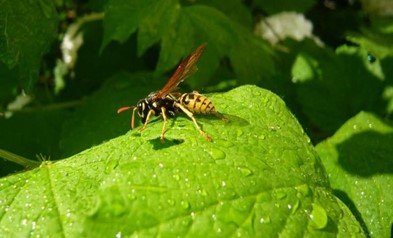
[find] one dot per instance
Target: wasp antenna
(122, 109)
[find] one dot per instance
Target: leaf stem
(50, 107)
(19, 159)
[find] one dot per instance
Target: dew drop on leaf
(176, 177)
(217, 154)
(280, 195)
(245, 171)
(186, 222)
(264, 220)
(318, 216)
(171, 202)
(302, 190)
(185, 204)
(111, 165)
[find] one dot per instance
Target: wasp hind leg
(190, 115)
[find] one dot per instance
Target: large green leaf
(26, 30)
(359, 161)
(180, 29)
(260, 177)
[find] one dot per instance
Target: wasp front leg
(163, 113)
(191, 115)
(151, 113)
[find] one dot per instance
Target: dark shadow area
(158, 145)
(351, 205)
(367, 153)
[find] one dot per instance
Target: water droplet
(161, 165)
(214, 217)
(176, 177)
(24, 222)
(171, 202)
(302, 190)
(118, 235)
(185, 204)
(318, 216)
(202, 192)
(245, 171)
(33, 225)
(186, 222)
(280, 195)
(217, 154)
(223, 184)
(111, 165)
(264, 220)
(192, 214)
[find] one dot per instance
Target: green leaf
(331, 87)
(180, 29)
(27, 28)
(359, 161)
(235, 10)
(259, 177)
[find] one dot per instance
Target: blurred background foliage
(67, 65)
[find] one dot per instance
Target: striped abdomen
(197, 103)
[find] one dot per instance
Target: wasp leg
(151, 112)
(190, 115)
(163, 113)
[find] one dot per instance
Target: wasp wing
(186, 68)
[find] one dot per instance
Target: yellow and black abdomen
(197, 103)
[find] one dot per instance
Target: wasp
(164, 103)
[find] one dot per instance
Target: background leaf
(358, 159)
(333, 90)
(184, 28)
(259, 176)
(22, 44)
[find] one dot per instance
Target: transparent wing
(186, 68)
